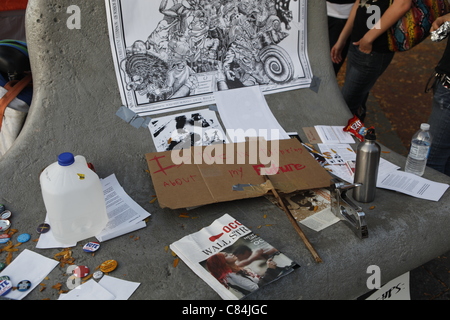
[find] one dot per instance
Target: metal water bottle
(366, 171)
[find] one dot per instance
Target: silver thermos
(366, 170)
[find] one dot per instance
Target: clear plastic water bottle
(420, 148)
(74, 199)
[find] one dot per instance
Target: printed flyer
(232, 259)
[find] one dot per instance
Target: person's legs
(363, 70)
(439, 120)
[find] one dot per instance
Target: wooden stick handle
(297, 227)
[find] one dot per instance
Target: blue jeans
(363, 71)
(439, 157)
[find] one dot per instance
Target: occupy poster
(173, 54)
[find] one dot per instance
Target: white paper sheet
(48, 241)
(90, 290)
(333, 134)
(28, 265)
(320, 220)
(412, 185)
(245, 113)
(121, 289)
(397, 289)
(108, 288)
(124, 214)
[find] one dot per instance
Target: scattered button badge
(24, 285)
(5, 287)
(91, 247)
(98, 275)
(24, 237)
(43, 228)
(5, 215)
(4, 238)
(4, 225)
(108, 266)
(81, 271)
(2, 266)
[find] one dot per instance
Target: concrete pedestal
(74, 105)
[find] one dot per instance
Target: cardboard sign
(229, 172)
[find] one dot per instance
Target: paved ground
(396, 108)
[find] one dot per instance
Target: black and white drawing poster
(172, 55)
(183, 130)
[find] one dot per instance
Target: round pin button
(108, 266)
(91, 247)
(24, 237)
(24, 285)
(4, 238)
(5, 215)
(5, 287)
(98, 275)
(4, 225)
(2, 266)
(43, 228)
(81, 271)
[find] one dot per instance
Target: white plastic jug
(73, 197)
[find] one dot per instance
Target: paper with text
(333, 134)
(412, 185)
(124, 214)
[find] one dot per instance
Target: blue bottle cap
(66, 159)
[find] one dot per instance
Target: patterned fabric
(415, 25)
